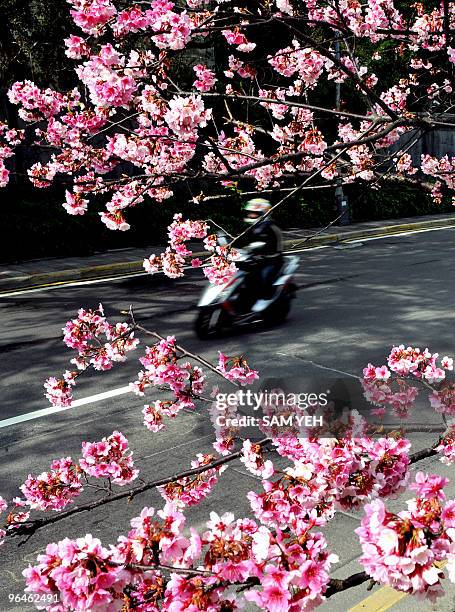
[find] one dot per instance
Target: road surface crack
(319, 365)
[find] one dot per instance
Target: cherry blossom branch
(189, 571)
(332, 57)
(425, 453)
(320, 231)
(29, 528)
(390, 156)
(291, 103)
(338, 585)
(219, 227)
(181, 349)
(113, 124)
(298, 188)
(345, 146)
(396, 154)
(225, 196)
(186, 353)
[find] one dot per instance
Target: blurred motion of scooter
(243, 300)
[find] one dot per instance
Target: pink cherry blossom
(205, 78)
(236, 37)
(55, 489)
(429, 486)
(400, 549)
(75, 204)
(189, 491)
(92, 15)
(446, 446)
(239, 370)
(76, 47)
(78, 571)
(58, 392)
(186, 115)
(252, 458)
(109, 458)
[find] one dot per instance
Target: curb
(373, 232)
(106, 271)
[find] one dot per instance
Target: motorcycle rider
(251, 296)
(268, 258)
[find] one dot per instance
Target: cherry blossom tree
(279, 559)
(253, 120)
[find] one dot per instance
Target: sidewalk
(40, 272)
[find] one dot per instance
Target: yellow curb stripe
(68, 282)
(384, 598)
(381, 600)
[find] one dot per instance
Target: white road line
(392, 235)
(37, 414)
(316, 248)
(135, 274)
(407, 233)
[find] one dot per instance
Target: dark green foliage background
(34, 224)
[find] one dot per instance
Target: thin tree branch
(32, 527)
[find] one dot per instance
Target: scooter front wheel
(202, 324)
(210, 323)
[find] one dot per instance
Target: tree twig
(31, 527)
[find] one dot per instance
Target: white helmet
(255, 209)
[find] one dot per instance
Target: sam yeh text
(288, 420)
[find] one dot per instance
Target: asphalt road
(353, 304)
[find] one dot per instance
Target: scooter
(223, 308)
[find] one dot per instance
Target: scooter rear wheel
(277, 313)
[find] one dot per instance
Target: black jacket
(266, 232)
